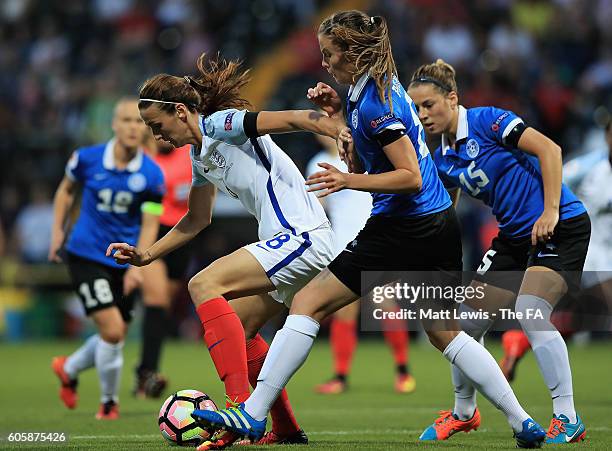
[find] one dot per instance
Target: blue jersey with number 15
(111, 200)
(504, 178)
(368, 116)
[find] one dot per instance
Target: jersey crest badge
(137, 182)
(354, 117)
(217, 159)
(472, 148)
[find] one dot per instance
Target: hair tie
(431, 80)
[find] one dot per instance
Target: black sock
(341, 377)
(403, 369)
(153, 334)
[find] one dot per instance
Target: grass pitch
(370, 416)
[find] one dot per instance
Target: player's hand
(124, 253)
(326, 98)
(132, 279)
(544, 227)
(57, 239)
(328, 181)
(348, 154)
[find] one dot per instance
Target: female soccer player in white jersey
(492, 156)
(412, 228)
(231, 151)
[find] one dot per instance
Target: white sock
(109, 361)
(550, 352)
(287, 353)
(465, 392)
(481, 369)
(83, 358)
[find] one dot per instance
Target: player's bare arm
(62, 202)
(197, 218)
(406, 178)
(549, 156)
(300, 120)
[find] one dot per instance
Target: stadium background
(64, 63)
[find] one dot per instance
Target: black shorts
(425, 243)
(506, 260)
(99, 286)
(178, 260)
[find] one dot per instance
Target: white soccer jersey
(348, 209)
(595, 191)
(256, 172)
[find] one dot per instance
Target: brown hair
(440, 74)
(365, 42)
(217, 87)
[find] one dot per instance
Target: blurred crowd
(63, 64)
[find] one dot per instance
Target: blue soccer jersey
(367, 117)
(506, 179)
(111, 200)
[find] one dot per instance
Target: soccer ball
(175, 422)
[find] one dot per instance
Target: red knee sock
(397, 339)
(515, 343)
(224, 336)
(283, 421)
(343, 338)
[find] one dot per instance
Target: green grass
(369, 416)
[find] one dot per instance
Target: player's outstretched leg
(481, 369)
(109, 360)
(67, 369)
(109, 363)
(551, 354)
(285, 428)
(515, 345)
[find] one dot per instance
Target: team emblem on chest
(217, 159)
(137, 182)
(354, 117)
(472, 148)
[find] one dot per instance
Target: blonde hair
(217, 87)
(440, 74)
(365, 42)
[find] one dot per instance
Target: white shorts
(291, 261)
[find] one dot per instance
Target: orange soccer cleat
(67, 393)
(447, 424)
(405, 383)
(333, 386)
(108, 411)
(272, 438)
(516, 345)
(221, 440)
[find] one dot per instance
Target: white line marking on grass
(314, 433)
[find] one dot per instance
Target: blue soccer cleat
(532, 435)
(562, 431)
(234, 419)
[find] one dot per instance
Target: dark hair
(217, 87)
(365, 42)
(440, 74)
